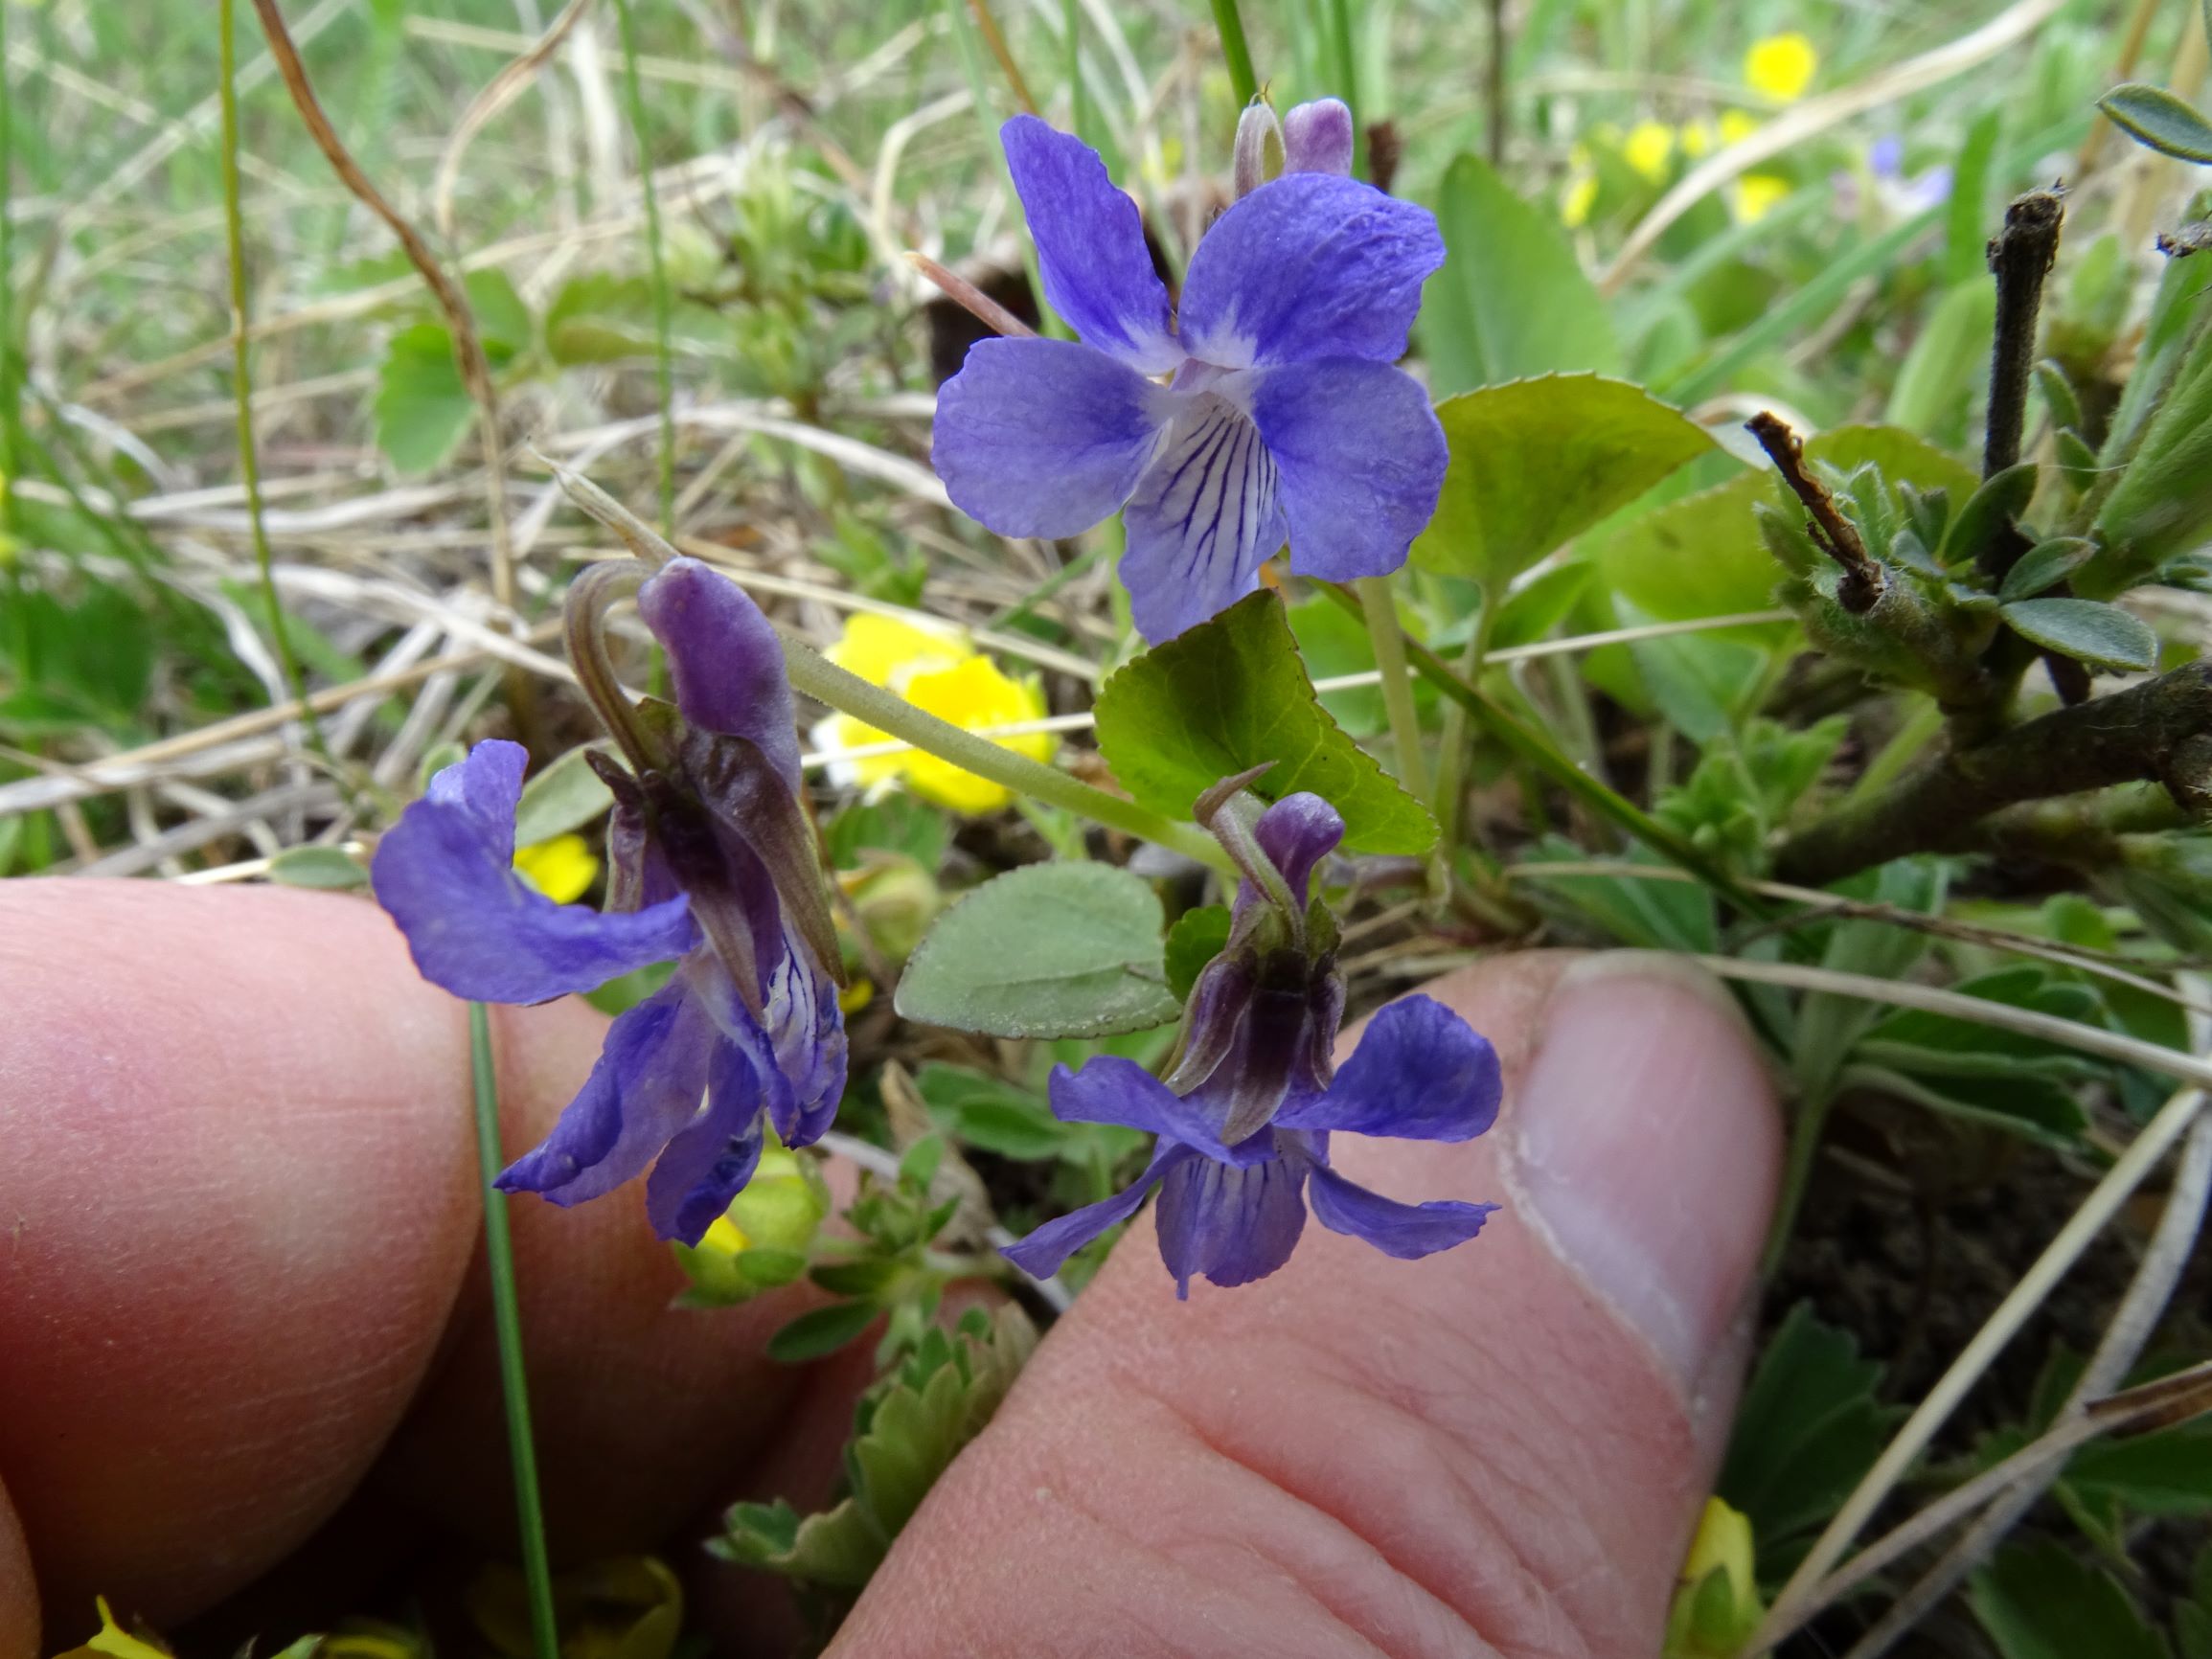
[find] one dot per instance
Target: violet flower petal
(1044, 437)
(1310, 265)
(710, 1160)
(1233, 1225)
(1112, 1090)
(643, 1090)
(1318, 138)
(445, 872)
(1296, 833)
(1202, 520)
(1090, 248)
(725, 663)
(1421, 1073)
(1041, 1254)
(1361, 458)
(807, 1030)
(1406, 1231)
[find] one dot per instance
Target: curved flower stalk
(1265, 406)
(1245, 1115)
(713, 866)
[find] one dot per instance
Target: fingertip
(235, 1223)
(19, 1589)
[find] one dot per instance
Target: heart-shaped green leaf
(1231, 694)
(1534, 461)
(1048, 950)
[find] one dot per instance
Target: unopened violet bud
(1260, 155)
(1318, 138)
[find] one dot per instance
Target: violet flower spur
(1282, 414)
(1245, 1115)
(712, 864)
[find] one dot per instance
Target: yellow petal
(561, 869)
(1736, 127)
(1648, 147)
(1723, 1540)
(1581, 195)
(879, 649)
(973, 694)
(113, 1642)
(1758, 194)
(1781, 66)
(1699, 136)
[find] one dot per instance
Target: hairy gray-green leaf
(1048, 950)
(1536, 461)
(1511, 299)
(1228, 696)
(324, 866)
(1997, 501)
(2152, 116)
(2045, 566)
(567, 795)
(2102, 635)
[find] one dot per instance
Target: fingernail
(1647, 1149)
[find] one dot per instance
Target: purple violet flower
(711, 863)
(1245, 1114)
(1281, 414)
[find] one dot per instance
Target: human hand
(239, 1225)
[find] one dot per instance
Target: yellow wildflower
(1648, 147)
(561, 868)
(1781, 66)
(942, 676)
(1699, 136)
(1581, 192)
(1758, 194)
(1736, 127)
(1717, 1603)
(113, 1642)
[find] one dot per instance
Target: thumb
(1506, 1443)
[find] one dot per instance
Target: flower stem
(507, 1322)
(241, 385)
(821, 680)
(663, 361)
(1230, 23)
(1533, 748)
(1347, 79)
(1389, 642)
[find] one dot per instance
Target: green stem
(1045, 589)
(1231, 24)
(10, 411)
(241, 386)
(662, 308)
(507, 1322)
(1079, 111)
(1805, 1131)
(1348, 77)
(1452, 745)
(1381, 610)
(1532, 747)
(815, 676)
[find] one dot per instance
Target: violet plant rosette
(1244, 1117)
(1265, 406)
(712, 864)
